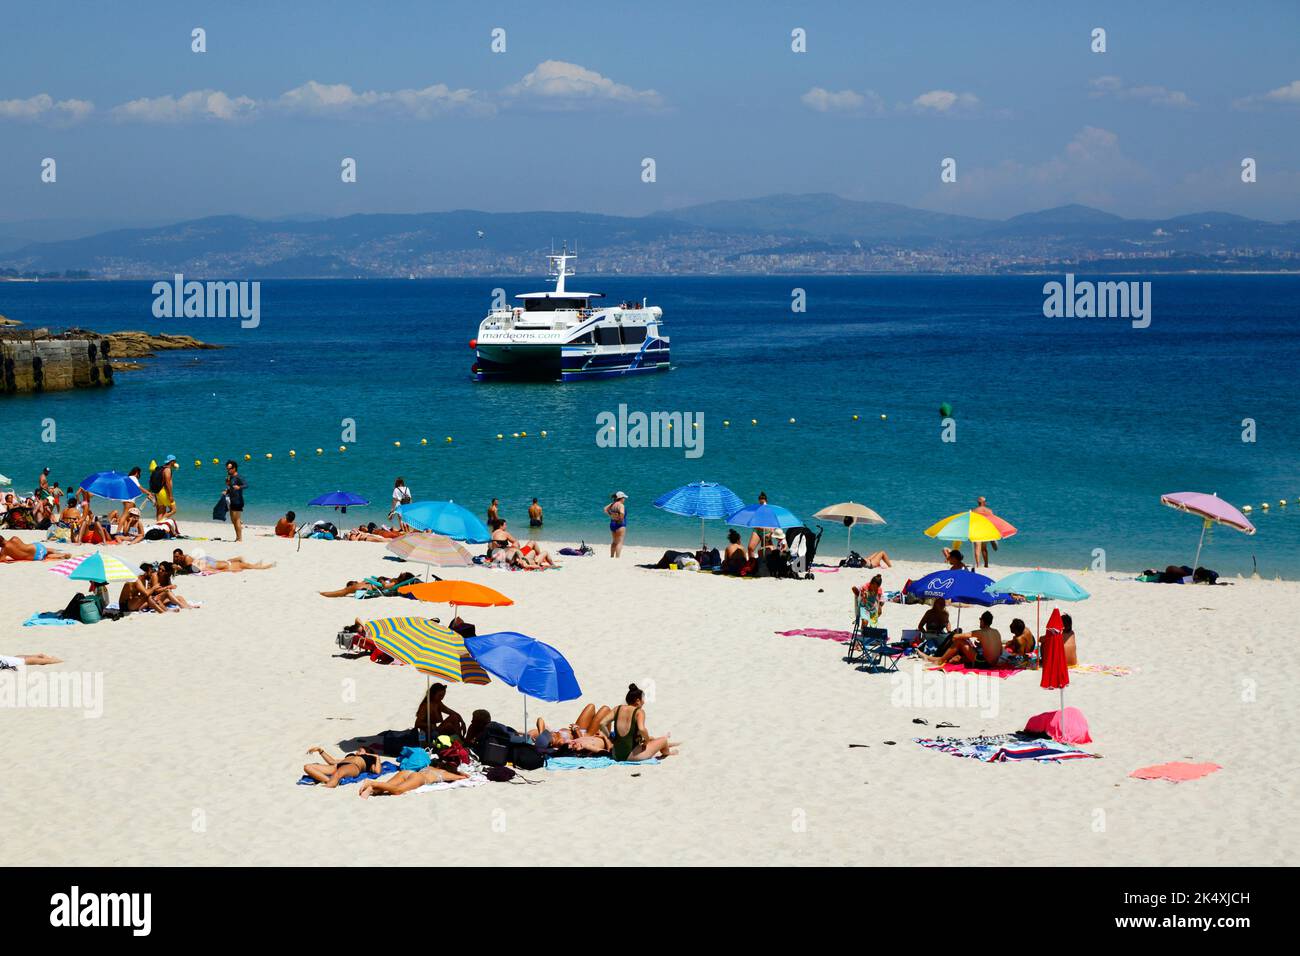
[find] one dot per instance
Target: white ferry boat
(560, 335)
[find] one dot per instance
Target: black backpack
(156, 479)
(493, 745)
(525, 756)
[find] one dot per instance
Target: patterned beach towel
(1000, 748)
(1113, 670)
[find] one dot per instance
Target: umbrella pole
(702, 534)
(1197, 560)
(428, 714)
(850, 545)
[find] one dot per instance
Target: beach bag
(525, 756)
(499, 774)
(709, 559)
(156, 480)
(493, 746)
(220, 509)
(405, 498)
(413, 758)
(854, 560)
(88, 609)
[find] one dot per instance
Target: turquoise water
(1072, 428)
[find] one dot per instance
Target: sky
(144, 130)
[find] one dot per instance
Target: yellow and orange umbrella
(971, 526)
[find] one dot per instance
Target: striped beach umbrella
(96, 566)
(430, 648)
(427, 548)
(971, 526)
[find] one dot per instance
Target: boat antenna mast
(559, 264)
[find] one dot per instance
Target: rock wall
(29, 364)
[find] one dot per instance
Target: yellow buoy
(792, 421)
(725, 422)
(855, 418)
(543, 433)
(248, 458)
(320, 451)
(883, 417)
(500, 436)
(424, 441)
(216, 461)
(753, 421)
(397, 444)
(695, 424)
(343, 447)
(197, 463)
(516, 434)
(1282, 502)
(1264, 506)
(268, 454)
(292, 453)
(1247, 509)
(448, 438)
(523, 434)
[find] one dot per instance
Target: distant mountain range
(783, 233)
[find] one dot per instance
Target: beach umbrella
(456, 593)
(700, 499)
(112, 484)
(1039, 584)
(446, 518)
(97, 566)
(433, 650)
(1211, 509)
(1056, 673)
(764, 516)
(536, 669)
(971, 526)
(424, 547)
(957, 587)
(851, 513)
(338, 499)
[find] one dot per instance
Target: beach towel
(473, 780)
(1176, 771)
(1000, 748)
(1112, 670)
(384, 768)
(48, 619)
(594, 763)
(818, 632)
(1000, 671)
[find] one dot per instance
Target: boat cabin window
(553, 305)
(607, 335)
(633, 334)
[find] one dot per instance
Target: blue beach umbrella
(957, 587)
(112, 484)
(338, 499)
(764, 516)
(535, 668)
(445, 518)
(700, 499)
(1040, 585)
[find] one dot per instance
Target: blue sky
(1157, 125)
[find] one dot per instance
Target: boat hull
(566, 363)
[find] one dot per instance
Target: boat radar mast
(559, 266)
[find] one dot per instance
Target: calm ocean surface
(1072, 428)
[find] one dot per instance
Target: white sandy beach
(207, 715)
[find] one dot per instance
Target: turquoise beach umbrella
(1039, 584)
(445, 518)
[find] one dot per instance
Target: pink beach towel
(819, 632)
(1002, 672)
(1177, 772)
(1074, 729)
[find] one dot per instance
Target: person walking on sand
(401, 495)
(534, 515)
(235, 486)
(617, 511)
(160, 483)
(982, 547)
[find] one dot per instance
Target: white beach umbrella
(851, 513)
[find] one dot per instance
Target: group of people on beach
(619, 732)
(983, 646)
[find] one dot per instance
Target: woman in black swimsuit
(332, 771)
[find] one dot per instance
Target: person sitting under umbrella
(1022, 641)
(735, 558)
(1068, 640)
(956, 560)
(435, 718)
(980, 647)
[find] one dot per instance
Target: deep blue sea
(1072, 428)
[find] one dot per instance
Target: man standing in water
(235, 486)
(534, 515)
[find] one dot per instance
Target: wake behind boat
(560, 336)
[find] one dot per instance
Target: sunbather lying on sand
(332, 771)
(16, 549)
(584, 735)
(206, 565)
(12, 663)
(404, 781)
(384, 584)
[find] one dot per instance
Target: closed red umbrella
(1056, 673)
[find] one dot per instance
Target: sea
(1072, 428)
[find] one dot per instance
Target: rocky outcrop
(38, 360)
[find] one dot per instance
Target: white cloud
(844, 101)
(945, 102)
(198, 104)
(332, 99)
(1113, 86)
(43, 107)
(1288, 95)
(555, 84)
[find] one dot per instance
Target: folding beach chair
(869, 645)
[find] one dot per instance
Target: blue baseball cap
(169, 459)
